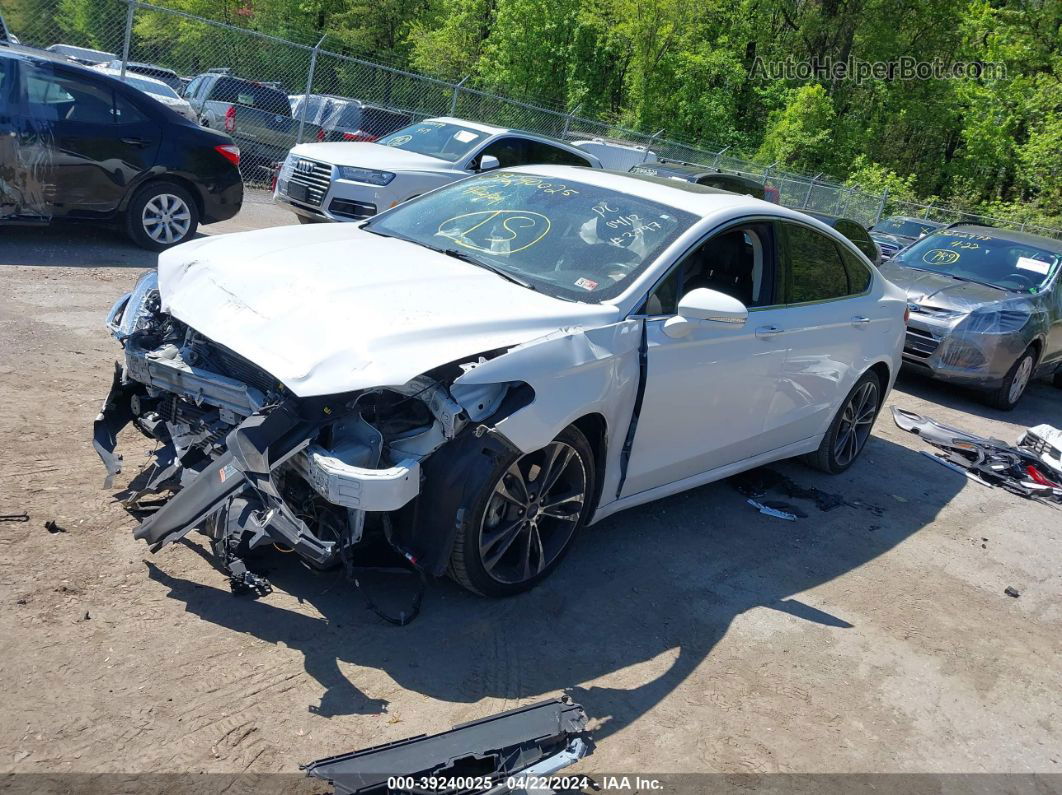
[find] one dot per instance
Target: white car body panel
(333, 309)
(357, 311)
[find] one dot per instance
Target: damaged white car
(478, 372)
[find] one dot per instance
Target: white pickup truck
(351, 181)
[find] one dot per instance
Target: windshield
(564, 238)
(905, 227)
(982, 258)
(158, 89)
(437, 139)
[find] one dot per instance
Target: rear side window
(858, 273)
(54, 97)
(243, 92)
(126, 112)
(813, 263)
(538, 152)
(859, 236)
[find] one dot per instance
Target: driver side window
(509, 151)
(738, 262)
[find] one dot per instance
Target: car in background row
(257, 115)
(616, 155)
(76, 144)
(712, 177)
(985, 308)
(854, 232)
(897, 232)
(351, 181)
(82, 55)
(156, 89)
(167, 76)
(345, 119)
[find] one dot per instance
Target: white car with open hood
(350, 181)
(477, 373)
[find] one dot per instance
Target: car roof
(472, 125)
(1010, 235)
(22, 52)
(700, 200)
(926, 221)
(675, 168)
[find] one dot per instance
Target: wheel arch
(165, 176)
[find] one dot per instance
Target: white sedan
(351, 181)
(477, 373)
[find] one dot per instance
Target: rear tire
(1016, 381)
(161, 215)
(523, 516)
(850, 429)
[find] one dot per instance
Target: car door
(708, 396)
(829, 314)
(92, 140)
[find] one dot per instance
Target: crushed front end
(250, 463)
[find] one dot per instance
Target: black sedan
(78, 145)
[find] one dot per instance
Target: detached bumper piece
(495, 754)
(1027, 470)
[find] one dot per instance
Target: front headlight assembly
(996, 321)
(366, 175)
(132, 312)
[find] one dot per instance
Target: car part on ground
(1021, 470)
(354, 181)
(985, 308)
(498, 754)
(92, 148)
(473, 402)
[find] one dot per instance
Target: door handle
(135, 141)
(766, 332)
(859, 320)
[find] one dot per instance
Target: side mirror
(705, 305)
(488, 163)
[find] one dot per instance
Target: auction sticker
(586, 284)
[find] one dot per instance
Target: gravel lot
(699, 634)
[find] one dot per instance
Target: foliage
(689, 67)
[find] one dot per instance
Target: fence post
(811, 187)
(128, 37)
(568, 119)
(457, 90)
(309, 88)
(881, 207)
(649, 145)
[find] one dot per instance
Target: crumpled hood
(366, 155)
(331, 308)
(941, 291)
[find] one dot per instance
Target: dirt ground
(698, 634)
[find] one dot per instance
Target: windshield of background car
(435, 138)
(982, 258)
(904, 228)
(567, 239)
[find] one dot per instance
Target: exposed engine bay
(251, 464)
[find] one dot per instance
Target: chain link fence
(270, 94)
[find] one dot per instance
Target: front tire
(850, 429)
(1009, 393)
(160, 215)
(523, 516)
